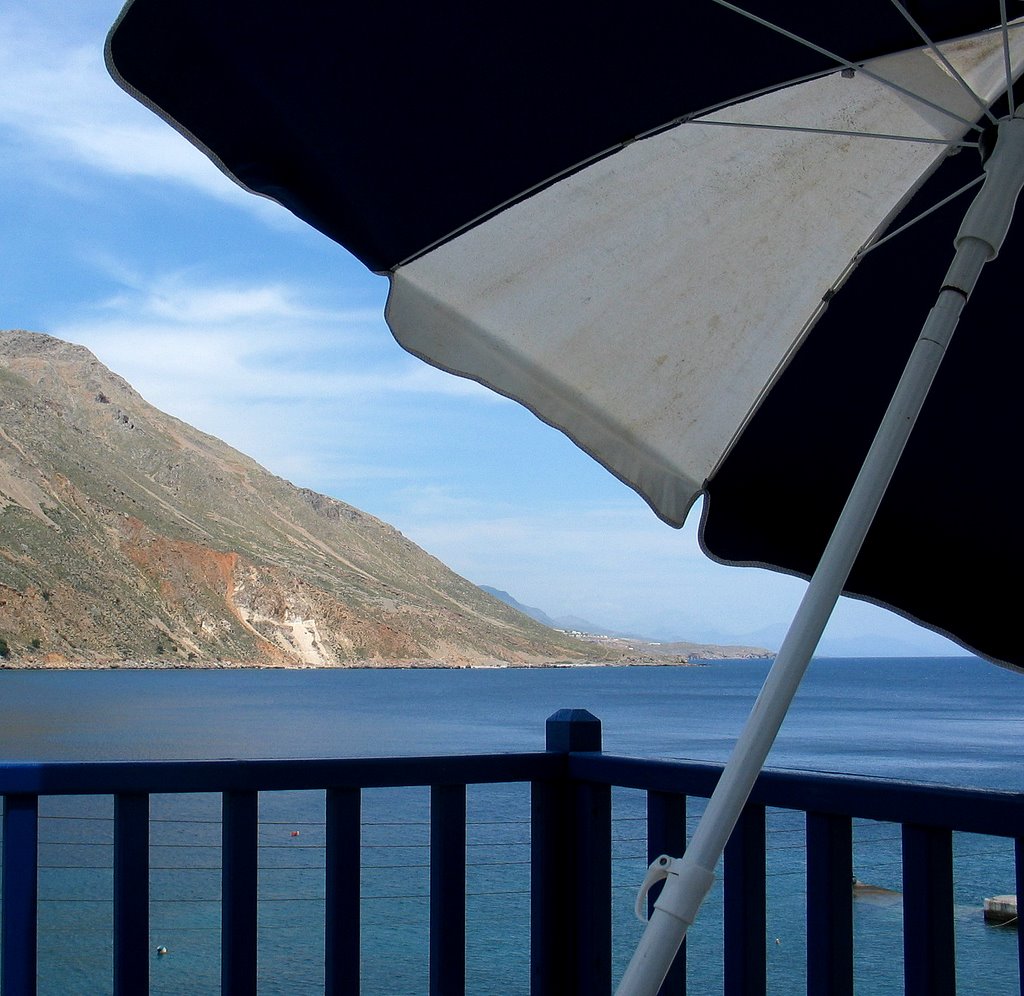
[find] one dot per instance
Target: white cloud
(214, 306)
(316, 391)
(60, 102)
(253, 340)
(253, 365)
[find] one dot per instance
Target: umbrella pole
(688, 880)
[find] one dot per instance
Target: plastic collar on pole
(988, 218)
(683, 882)
(684, 891)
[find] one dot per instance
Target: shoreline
(354, 666)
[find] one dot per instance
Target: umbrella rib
(939, 54)
(731, 102)
(861, 253)
(1006, 56)
(845, 63)
(610, 151)
(838, 131)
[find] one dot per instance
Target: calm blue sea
(951, 720)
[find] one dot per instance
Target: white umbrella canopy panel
(644, 315)
(632, 223)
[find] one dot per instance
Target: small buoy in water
(161, 950)
(295, 833)
(778, 940)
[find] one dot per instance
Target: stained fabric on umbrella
(630, 221)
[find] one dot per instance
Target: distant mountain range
(631, 643)
(561, 622)
(528, 610)
(128, 536)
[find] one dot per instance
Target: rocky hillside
(129, 536)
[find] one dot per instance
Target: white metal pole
(689, 879)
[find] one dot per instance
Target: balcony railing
(571, 850)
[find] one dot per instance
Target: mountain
(128, 536)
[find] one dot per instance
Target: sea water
(952, 720)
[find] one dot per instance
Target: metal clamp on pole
(659, 869)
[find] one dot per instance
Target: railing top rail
(173, 776)
(971, 810)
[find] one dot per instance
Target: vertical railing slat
(1018, 857)
(550, 907)
(239, 862)
(829, 904)
(131, 894)
(20, 894)
(666, 834)
(592, 875)
(929, 953)
(447, 890)
(745, 916)
(341, 914)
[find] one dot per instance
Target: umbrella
(700, 239)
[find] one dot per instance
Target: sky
(224, 310)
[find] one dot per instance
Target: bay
(949, 720)
(956, 720)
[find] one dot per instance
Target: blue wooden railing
(570, 857)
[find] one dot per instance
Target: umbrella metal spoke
(731, 102)
(861, 253)
(1006, 56)
(846, 64)
(839, 132)
(940, 55)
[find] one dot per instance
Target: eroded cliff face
(127, 535)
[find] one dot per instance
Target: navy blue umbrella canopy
(584, 208)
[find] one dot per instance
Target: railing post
(131, 894)
(929, 949)
(239, 864)
(829, 905)
(571, 871)
(20, 894)
(342, 916)
(666, 834)
(447, 890)
(745, 916)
